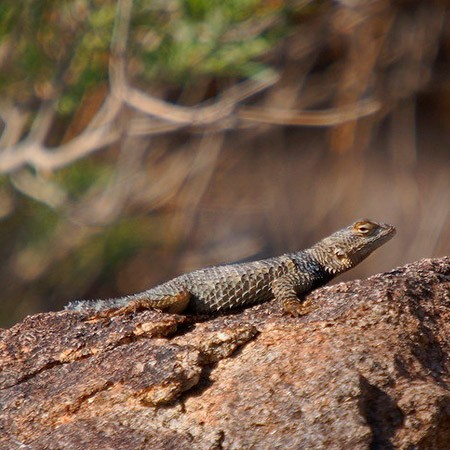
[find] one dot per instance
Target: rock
(369, 368)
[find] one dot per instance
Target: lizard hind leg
(178, 303)
(173, 303)
(170, 303)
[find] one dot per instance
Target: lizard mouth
(390, 231)
(385, 235)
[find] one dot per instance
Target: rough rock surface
(368, 369)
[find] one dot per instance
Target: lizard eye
(364, 228)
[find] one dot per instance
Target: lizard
(287, 278)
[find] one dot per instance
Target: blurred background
(143, 139)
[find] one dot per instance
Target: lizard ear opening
(339, 253)
(342, 258)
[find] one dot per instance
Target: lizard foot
(298, 309)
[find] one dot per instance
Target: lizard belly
(203, 301)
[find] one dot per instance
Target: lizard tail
(171, 296)
(97, 305)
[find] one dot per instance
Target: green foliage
(187, 38)
(61, 48)
(53, 46)
(77, 178)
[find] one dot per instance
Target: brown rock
(369, 368)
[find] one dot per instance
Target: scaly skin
(284, 278)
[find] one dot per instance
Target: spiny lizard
(284, 278)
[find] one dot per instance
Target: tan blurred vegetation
(144, 139)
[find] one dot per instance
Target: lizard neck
(332, 261)
(316, 271)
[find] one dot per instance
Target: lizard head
(348, 247)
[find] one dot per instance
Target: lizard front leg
(283, 289)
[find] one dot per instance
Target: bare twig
(40, 157)
(14, 123)
(325, 118)
(198, 115)
(39, 189)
